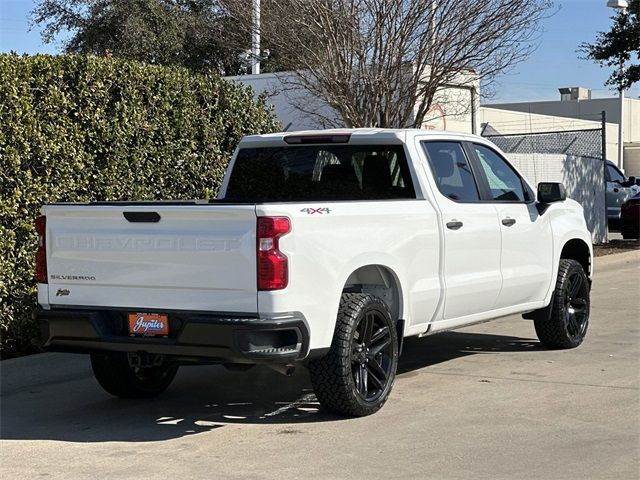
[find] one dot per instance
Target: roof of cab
(397, 135)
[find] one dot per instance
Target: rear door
(471, 232)
(526, 237)
(195, 257)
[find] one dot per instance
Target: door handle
(454, 224)
(508, 221)
(135, 217)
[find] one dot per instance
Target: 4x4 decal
(311, 211)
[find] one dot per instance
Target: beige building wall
(585, 110)
(632, 159)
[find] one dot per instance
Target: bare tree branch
(382, 62)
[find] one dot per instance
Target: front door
(526, 237)
(471, 233)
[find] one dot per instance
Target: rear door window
(320, 172)
(452, 171)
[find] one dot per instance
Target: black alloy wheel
(576, 305)
(372, 355)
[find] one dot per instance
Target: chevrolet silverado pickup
(323, 249)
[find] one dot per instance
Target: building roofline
(549, 102)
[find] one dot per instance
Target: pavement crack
(531, 380)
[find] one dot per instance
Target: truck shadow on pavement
(55, 397)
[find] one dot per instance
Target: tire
(119, 378)
(566, 325)
(356, 376)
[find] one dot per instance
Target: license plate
(149, 324)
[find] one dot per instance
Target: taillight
(273, 265)
(41, 252)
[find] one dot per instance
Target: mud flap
(541, 313)
(400, 333)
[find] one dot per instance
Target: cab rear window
(320, 172)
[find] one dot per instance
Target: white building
(455, 107)
(575, 106)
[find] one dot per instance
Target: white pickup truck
(324, 249)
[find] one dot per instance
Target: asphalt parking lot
(483, 402)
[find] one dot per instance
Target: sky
(553, 65)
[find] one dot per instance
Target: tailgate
(194, 257)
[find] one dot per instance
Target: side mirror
(638, 182)
(550, 192)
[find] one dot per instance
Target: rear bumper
(223, 338)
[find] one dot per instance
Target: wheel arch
(381, 281)
(575, 247)
(578, 250)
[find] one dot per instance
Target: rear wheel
(567, 324)
(356, 376)
(119, 375)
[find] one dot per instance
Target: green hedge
(76, 128)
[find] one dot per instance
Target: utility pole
(255, 39)
(603, 126)
(621, 124)
(620, 5)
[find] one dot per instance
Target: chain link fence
(579, 143)
(573, 157)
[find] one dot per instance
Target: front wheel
(356, 376)
(567, 324)
(119, 376)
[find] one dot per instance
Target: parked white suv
(324, 248)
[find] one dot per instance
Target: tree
(382, 62)
(621, 43)
(185, 32)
